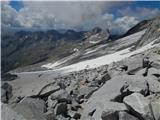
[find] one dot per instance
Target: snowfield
(103, 60)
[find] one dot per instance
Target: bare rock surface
(31, 108)
(139, 105)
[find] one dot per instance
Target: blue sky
(116, 16)
(16, 4)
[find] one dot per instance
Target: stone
(51, 103)
(86, 91)
(105, 78)
(155, 105)
(31, 108)
(154, 84)
(8, 77)
(125, 116)
(139, 105)
(6, 92)
(75, 106)
(109, 115)
(61, 108)
(100, 108)
(3, 96)
(61, 117)
(77, 116)
(62, 96)
(8, 113)
(49, 115)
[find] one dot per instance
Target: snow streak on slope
(118, 44)
(106, 59)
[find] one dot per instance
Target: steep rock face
(97, 35)
(140, 26)
(152, 33)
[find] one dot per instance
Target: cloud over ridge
(73, 15)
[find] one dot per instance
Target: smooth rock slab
(139, 105)
(155, 105)
(9, 114)
(31, 109)
(125, 116)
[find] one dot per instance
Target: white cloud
(123, 24)
(140, 13)
(61, 14)
(69, 15)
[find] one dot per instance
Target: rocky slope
(48, 45)
(113, 85)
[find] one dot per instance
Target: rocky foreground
(104, 93)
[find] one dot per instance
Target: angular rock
(62, 96)
(125, 116)
(61, 117)
(3, 96)
(9, 114)
(109, 115)
(49, 115)
(154, 85)
(6, 92)
(105, 78)
(155, 106)
(61, 108)
(111, 111)
(51, 103)
(77, 116)
(75, 106)
(86, 91)
(139, 105)
(31, 108)
(8, 77)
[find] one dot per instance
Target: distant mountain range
(24, 48)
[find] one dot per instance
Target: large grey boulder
(31, 109)
(117, 115)
(62, 96)
(139, 105)
(125, 116)
(155, 106)
(101, 109)
(111, 111)
(9, 114)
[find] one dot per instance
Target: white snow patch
(94, 42)
(106, 59)
(63, 60)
